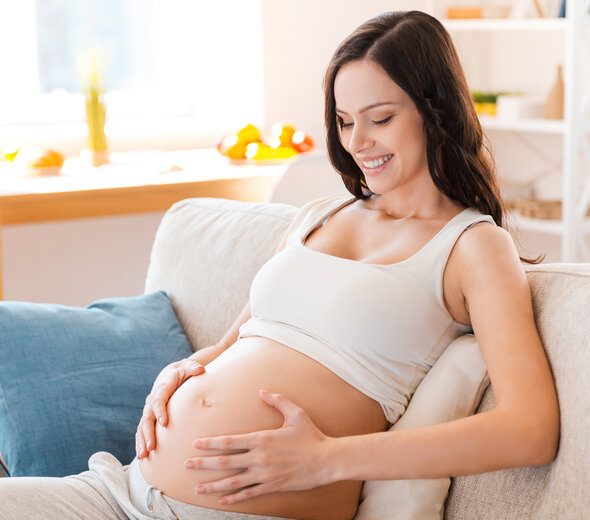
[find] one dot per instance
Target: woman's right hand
(167, 382)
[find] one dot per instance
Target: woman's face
(380, 127)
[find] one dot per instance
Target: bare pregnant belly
(225, 400)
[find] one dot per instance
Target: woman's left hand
(290, 458)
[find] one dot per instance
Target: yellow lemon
(282, 152)
(258, 151)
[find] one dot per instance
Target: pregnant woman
(286, 416)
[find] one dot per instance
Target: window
(165, 61)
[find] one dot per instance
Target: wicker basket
(541, 209)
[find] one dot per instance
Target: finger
(245, 494)
(160, 396)
(226, 442)
(159, 409)
(146, 435)
(146, 427)
(225, 461)
(191, 368)
(140, 449)
(226, 484)
(169, 384)
(291, 412)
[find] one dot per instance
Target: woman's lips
(366, 165)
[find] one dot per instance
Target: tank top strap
(431, 263)
(316, 215)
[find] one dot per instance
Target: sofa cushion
(450, 390)
(74, 380)
(561, 302)
(205, 255)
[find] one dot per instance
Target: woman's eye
(342, 124)
(383, 121)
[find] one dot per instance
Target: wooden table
(132, 183)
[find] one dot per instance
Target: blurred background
(177, 74)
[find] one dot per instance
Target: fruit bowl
(248, 146)
(35, 162)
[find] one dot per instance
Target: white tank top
(378, 327)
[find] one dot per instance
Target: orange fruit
(284, 131)
(226, 143)
(47, 159)
(302, 142)
(232, 147)
(237, 151)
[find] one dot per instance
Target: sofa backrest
(207, 252)
(205, 255)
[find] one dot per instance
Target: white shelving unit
(574, 129)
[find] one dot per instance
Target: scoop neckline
(303, 237)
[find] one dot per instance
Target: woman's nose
(360, 139)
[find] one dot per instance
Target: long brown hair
(418, 54)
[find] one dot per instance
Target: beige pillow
(451, 389)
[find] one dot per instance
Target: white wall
(76, 262)
(299, 39)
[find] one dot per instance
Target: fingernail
(196, 365)
(161, 420)
(197, 444)
(149, 444)
(189, 465)
(140, 453)
(200, 489)
(222, 501)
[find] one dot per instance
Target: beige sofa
(207, 251)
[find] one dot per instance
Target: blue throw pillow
(73, 380)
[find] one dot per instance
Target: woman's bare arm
(523, 428)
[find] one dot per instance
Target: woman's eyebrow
(368, 107)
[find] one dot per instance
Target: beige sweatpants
(107, 491)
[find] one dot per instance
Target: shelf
(552, 227)
(540, 126)
(506, 24)
(574, 165)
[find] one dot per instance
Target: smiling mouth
(377, 162)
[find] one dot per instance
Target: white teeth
(377, 162)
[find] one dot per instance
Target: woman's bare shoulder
(486, 244)
(488, 265)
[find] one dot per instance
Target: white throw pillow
(451, 389)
